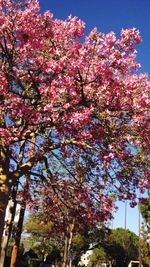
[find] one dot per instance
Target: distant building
(84, 258)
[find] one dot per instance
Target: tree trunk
(67, 246)
(7, 230)
(4, 196)
(16, 246)
(15, 250)
(65, 255)
(3, 250)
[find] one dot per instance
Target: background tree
(145, 210)
(144, 243)
(118, 247)
(39, 236)
(122, 246)
(97, 257)
(42, 241)
(79, 100)
(38, 239)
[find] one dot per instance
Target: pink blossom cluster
(71, 201)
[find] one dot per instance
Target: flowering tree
(78, 99)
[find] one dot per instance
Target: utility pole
(125, 216)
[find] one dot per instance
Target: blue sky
(111, 15)
(108, 15)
